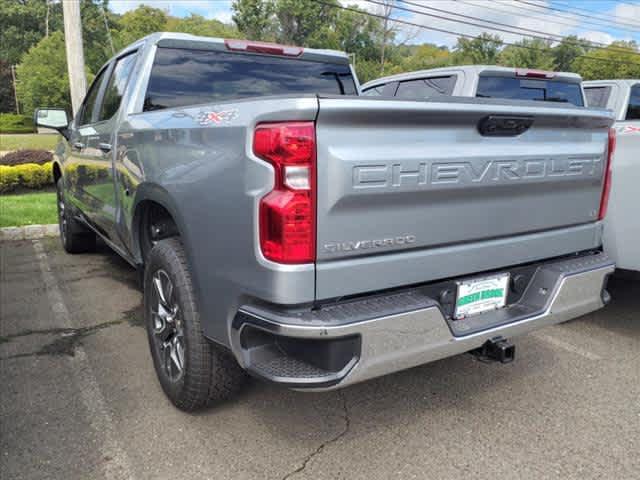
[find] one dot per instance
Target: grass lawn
(28, 209)
(43, 141)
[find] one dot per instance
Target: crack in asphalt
(69, 338)
(65, 344)
(323, 445)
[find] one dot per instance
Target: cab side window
(597, 96)
(373, 91)
(633, 110)
(89, 105)
(424, 88)
(115, 88)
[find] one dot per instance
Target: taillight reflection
(606, 188)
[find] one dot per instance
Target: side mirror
(55, 118)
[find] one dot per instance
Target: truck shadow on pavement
(451, 383)
(456, 404)
(619, 316)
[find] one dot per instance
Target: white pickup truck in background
(622, 225)
(481, 81)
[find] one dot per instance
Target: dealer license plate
(481, 295)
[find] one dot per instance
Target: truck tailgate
(398, 179)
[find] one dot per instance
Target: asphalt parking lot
(79, 398)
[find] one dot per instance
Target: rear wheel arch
(152, 197)
(153, 220)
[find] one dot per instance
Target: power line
(458, 34)
(626, 3)
(533, 34)
(577, 14)
(599, 15)
(572, 17)
(571, 10)
(546, 17)
(512, 32)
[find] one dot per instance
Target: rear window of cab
(181, 77)
(543, 90)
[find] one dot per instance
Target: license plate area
(481, 295)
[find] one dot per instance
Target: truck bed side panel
(200, 157)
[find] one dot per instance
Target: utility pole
(75, 52)
(46, 22)
(15, 91)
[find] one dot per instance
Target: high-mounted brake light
(263, 47)
(523, 72)
(288, 212)
(606, 187)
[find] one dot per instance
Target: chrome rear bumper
(402, 330)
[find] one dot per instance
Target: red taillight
(288, 212)
(263, 47)
(523, 72)
(606, 188)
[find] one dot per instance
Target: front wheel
(193, 372)
(75, 237)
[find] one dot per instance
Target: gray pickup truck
(314, 238)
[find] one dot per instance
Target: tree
(23, 24)
(301, 20)
(389, 29)
(255, 18)
(483, 50)
(618, 60)
(198, 25)
(528, 54)
(42, 77)
(95, 34)
(7, 97)
(565, 53)
(350, 32)
(425, 56)
(138, 23)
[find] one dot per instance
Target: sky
(600, 21)
(218, 9)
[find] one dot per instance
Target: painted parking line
(118, 467)
(566, 346)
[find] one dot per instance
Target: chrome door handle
(78, 145)
(105, 147)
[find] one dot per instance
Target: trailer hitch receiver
(497, 350)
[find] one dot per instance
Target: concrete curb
(28, 232)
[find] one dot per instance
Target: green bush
(28, 175)
(88, 173)
(12, 123)
(9, 178)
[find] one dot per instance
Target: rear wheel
(75, 237)
(193, 372)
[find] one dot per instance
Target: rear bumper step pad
(349, 342)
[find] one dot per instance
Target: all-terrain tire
(210, 373)
(75, 237)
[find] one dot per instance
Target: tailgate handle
(503, 125)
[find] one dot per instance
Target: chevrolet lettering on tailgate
(464, 172)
